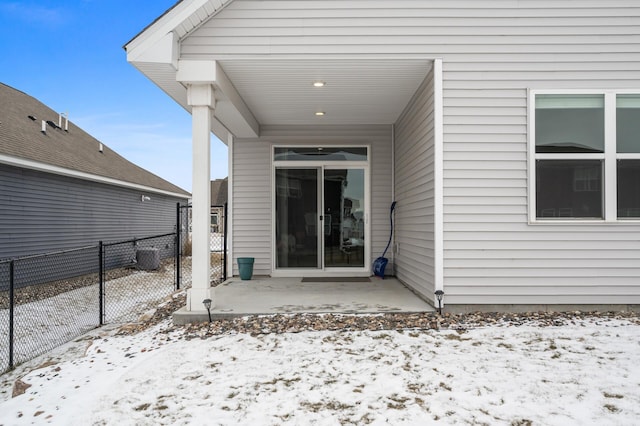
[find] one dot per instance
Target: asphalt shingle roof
(76, 150)
(219, 191)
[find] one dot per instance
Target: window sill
(634, 221)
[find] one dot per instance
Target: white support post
(201, 98)
(229, 219)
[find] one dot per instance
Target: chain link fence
(49, 299)
(217, 244)
(137, 274)
(45, 301)
(6, 313)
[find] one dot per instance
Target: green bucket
(245, 266)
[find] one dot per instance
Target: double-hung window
(584, 156)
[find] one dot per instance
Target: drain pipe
(393, 163)
(393, 189)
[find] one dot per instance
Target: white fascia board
(167, 23)
(163, 51)
(48, 168)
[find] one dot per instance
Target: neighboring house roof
(72, 151)
(219, 191)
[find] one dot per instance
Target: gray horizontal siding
(492, 52)
(42, 212)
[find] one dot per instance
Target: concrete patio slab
(263, 296)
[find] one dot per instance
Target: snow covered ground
(585, 373)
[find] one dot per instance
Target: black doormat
(336, 280)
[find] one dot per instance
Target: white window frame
(609, 157)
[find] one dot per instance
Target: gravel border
(295, 323)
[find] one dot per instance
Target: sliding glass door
(320, 217)
(320, 199)
(344, 236)
(297, 218)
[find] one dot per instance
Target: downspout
(393, 190)
(393, 163)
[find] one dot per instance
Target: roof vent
(66, 121)
(52, 124)
(100, 147)
(44, 127)
(32, 118)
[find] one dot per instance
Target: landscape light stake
(207, 304)
(439, 295)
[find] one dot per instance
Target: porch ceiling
(356, 91)
(268, 91)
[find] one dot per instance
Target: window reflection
(320, 154)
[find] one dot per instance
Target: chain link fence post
(101, 282)
(224, 244)
(11, 312)
(178, 244)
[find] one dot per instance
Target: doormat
(336, 280)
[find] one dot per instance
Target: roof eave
(155, 50)
(62, 171)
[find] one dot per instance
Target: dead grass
(216, 258)
(187, 249)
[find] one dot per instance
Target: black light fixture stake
(439, 295)
(207, 305)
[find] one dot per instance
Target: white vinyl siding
(492, 53)
(252, 181)
(252, 204)
(414, 179)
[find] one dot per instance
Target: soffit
(357, 91)
(279, 91)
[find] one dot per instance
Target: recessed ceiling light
(319, 113)
(319, 83)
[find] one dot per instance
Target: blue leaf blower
(381, 263)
